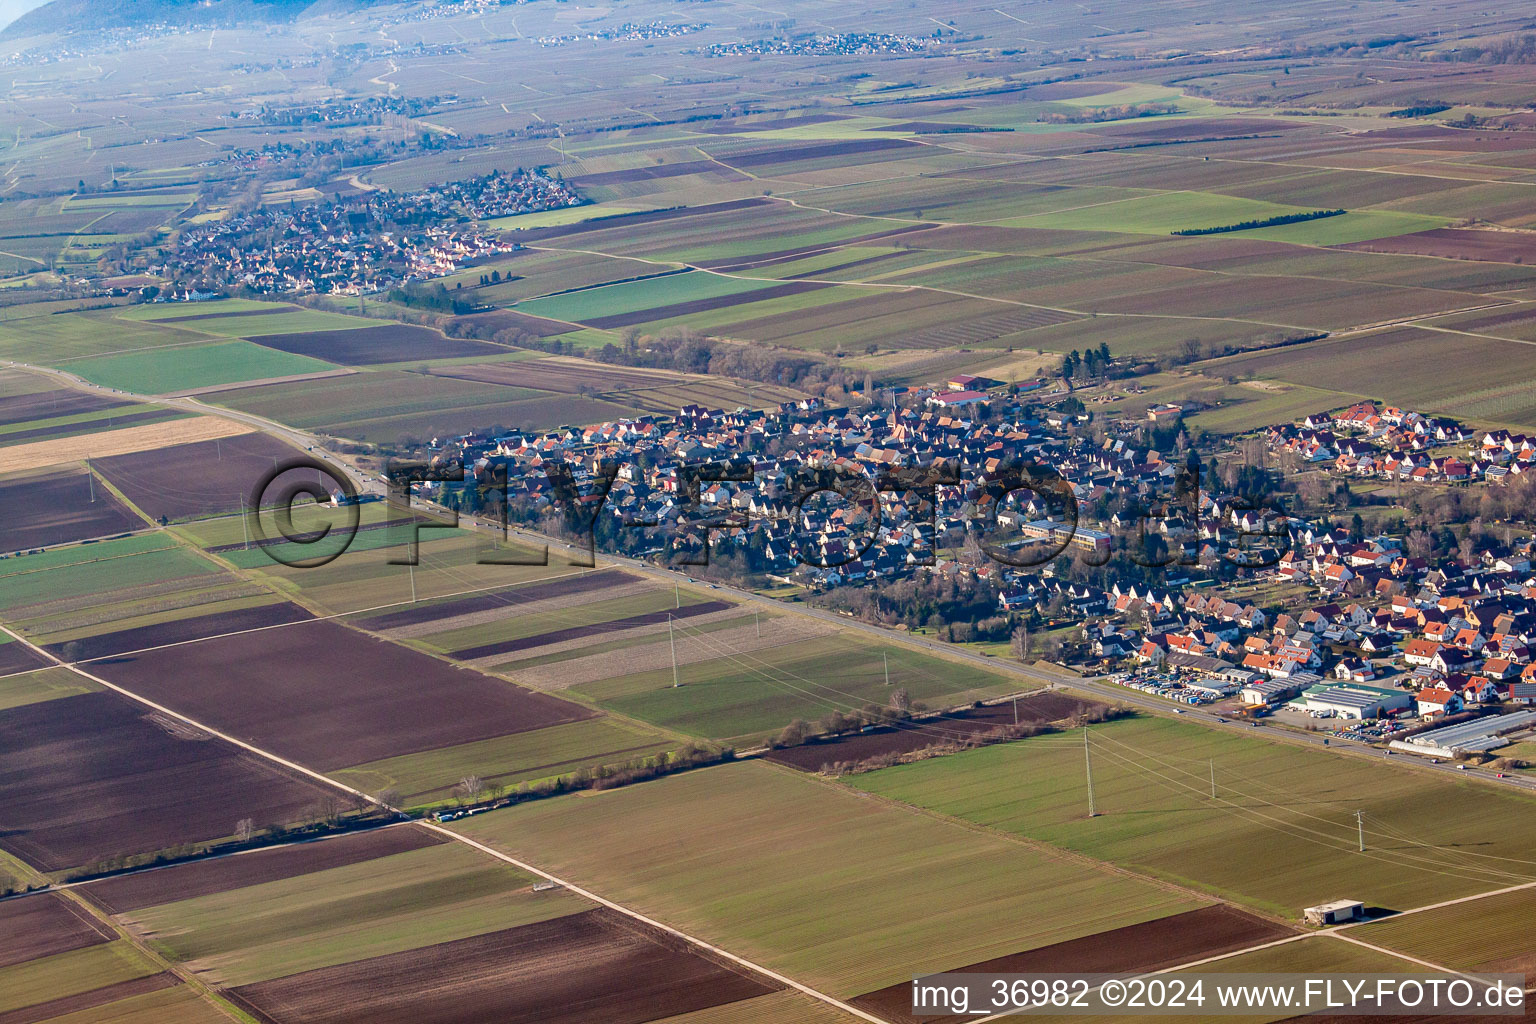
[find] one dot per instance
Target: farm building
(1474, 737)
(1335, 912)
(1356, 701)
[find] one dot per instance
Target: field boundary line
(434, 827)
(643, 919)
(1029, 842)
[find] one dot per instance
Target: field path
(323, 780)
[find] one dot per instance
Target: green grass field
(95, 568)
(504, 761)
(197, 366)
(379, 906)
(65, 974)
(35, 687)
(608, 300)
(844, 893)
(743, 697)
(1287, 808)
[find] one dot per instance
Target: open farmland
(1476, 379)
(117, 441)
(331, 697)
(958, 727)
(1133, 949)
(58, 507)
(1151, 784)
(200, 478)
(191, 368)
(1487, 934)
(384, 405)
(763, 841)
(190, 787)
(742, 696)
(625, 976)
(408, 924)
(364, 346)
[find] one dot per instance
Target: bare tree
(245, 830)
(1023, 644)
(389, 797)
(470, 787)
(901, 700)
(1421, 544)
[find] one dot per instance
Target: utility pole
(1213, 778)
(91, 476)
(245, 525)
(412, 569)
(758, 622)
(1088, 762)
(677, 595)
(1360, 823)
(672, 639)
(886, 661)
(1016, 713)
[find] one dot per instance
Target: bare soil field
(54, 1009)
(390, 343)
(556, 636)
(1038, 709)
(594, 967)
(44, 924)
(507, 600)
(15, 657)
(125, 893)
(733, 126)
(176, 631)
(203, 478)
(56, 508)
(559, 375)
(92, 776)
(1135, 948)
(48, 404)
(782, 154)
(146, 438)
(1458, 244)
(673, 170)
(328, 696)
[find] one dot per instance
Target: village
(359, 245)
(1151, 573)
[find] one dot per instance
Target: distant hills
(69, 17)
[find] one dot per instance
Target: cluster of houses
(842, 44)
(629, 31)
(506, 195)
(650, 469)
(355, 246)
(1395, 444)
(1427, 640)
